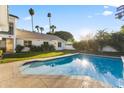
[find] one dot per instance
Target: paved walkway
(11, 77)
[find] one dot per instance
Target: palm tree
(31, 12)
(37, 27)
(41, 29)
(53, 27)
(49, 16)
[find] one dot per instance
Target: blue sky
(79, 20)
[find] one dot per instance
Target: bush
(35, 48)
(19, 48)
(89, 45)
(3, 49)
(47, 47)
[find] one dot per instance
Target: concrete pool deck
(11, 77)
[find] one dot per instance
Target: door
(9, 45)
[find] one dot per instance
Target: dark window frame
(45, 43)
(11, 28)
(27, 43)
(59, 44)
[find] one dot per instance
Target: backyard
(35, 55)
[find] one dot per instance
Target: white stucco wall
(69, 47)
(19, 42)
(109, 49)
(39, 42)
(4, 26)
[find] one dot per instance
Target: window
(27, 43)
(11, 28)
(59, 44)
(45, 43)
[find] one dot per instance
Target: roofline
(41, 34)
(14, 16)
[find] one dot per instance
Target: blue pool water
(105, 69)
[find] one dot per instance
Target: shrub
(35, 48)
(3, 49)
(51, 48)
(47, 47)
(19, 48)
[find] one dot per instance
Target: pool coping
(66, 55)
(50, 58)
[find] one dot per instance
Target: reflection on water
(109, 71)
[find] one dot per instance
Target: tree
(122, 29)
(117, 41)
(63, 34)
(41, 29)
(102, 38)
(37, 27)
(31, 12)
(53, 27)
(49, 16)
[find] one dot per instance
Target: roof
(14, 16)
(25, 34)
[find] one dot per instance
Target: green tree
(64, 35)
(102, 38)
(122, 29)
(117, 41)
(31, 12)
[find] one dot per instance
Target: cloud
(27, 18)
(106, 6)
(107, 13)
(117, 5)
(90, 16)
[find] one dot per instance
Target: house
(69, 45)
(27, 38)
(7, 30)
(109, 49)
(10, 36)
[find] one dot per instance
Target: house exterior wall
(13, 20)
(37, 42)
(109, 49)
(5, 19)
(69, 47)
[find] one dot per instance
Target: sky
(78, 20)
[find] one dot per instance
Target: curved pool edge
(66, 55)
(46, 59)
(101, 55)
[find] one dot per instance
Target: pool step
(122, 57)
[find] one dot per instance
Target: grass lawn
(32, 55)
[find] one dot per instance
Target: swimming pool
(106, 69)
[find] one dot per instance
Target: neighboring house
(26, 38)
(7, 30)
(69, 46)
(109, 49)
